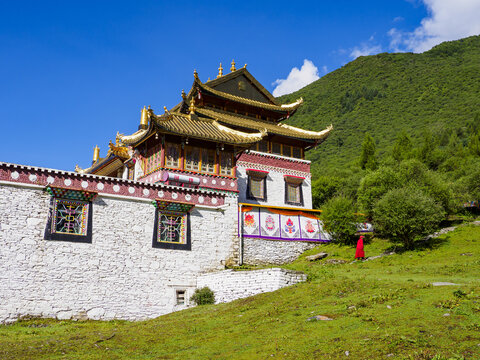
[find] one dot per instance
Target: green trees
(404, 214)
(339, 219)
(367, 156)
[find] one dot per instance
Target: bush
(339, 219)
(405, 214)
(203, 296)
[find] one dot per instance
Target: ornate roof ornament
(220, 71)
(192, 105)
(195, 74)
(232, 69)
(144, 118)
(96, 153)
(184, 96)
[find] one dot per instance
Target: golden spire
(192, 105)
(96, 153)
(245, 66)
(220, 71)
(144, 118)
(195, 74)
(184, 96)
(165, 109)
(232, 69)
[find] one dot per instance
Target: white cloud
(447, 20)
(365, 49)
(297, 79)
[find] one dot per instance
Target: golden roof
(115, 156)
(256, 103)
(202, 128)
(270, 127)
(246, 73)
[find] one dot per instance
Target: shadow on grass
(420, 245)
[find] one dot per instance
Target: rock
(319, 318)
(96, 313)
(347, 353)
(64, 314)
(389, 307)
(335, 261)
(466, 254)
(442, 283)
(318, 256)
(446, 314)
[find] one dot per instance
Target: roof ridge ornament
(184, 96)
(96, 153)
(220, 71)
(195, 74)
(144, 118)
(232, 69)
(192, 105)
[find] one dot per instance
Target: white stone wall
(275, 189)
(230, 285)
(262, 251)
(119, 275)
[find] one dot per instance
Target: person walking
(360, 253)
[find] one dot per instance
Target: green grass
(380, 307)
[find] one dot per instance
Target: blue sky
(73, 73)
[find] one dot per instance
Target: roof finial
(192, 105)
(144, 118)
(184, 96)
(220, 71)
(245, 66)
(165, 109)
(195, 74)
(96, 153)
(232, 69)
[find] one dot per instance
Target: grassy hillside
(383, 308)
(385, 94)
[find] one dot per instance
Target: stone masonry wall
(117, 276)
(262, 251)
(230, 285)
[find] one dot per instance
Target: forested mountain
(387, 94)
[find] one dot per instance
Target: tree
(405, 214)
(367, 156)
(402, 149)
(374, 185)
(339, 219)
(324, 188)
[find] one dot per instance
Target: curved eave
(135, 138)
(284, 108)
(271, 128)
(204, 129)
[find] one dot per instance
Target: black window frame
(171, 245)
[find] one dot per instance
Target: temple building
(216, 181)
(226, 135)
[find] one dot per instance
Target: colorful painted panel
(172, 227)
(251, 222)
(71, 194)
(70, 217)
(177, 206)
(281, 224)
(290, 226)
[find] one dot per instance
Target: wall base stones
(262, 251)
(231, 285)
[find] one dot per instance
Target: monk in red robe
(360, 253)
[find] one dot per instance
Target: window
(192, 158)
(172, 228)
(180, 297)
(153, 159)
(172, 155)
(172, 225)
(261, 146)
(208, 161)
(277, 148)
(297, 152)
(70, 215)
(256, 184)
(287, 150)
(293, 190)
(226, 160)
